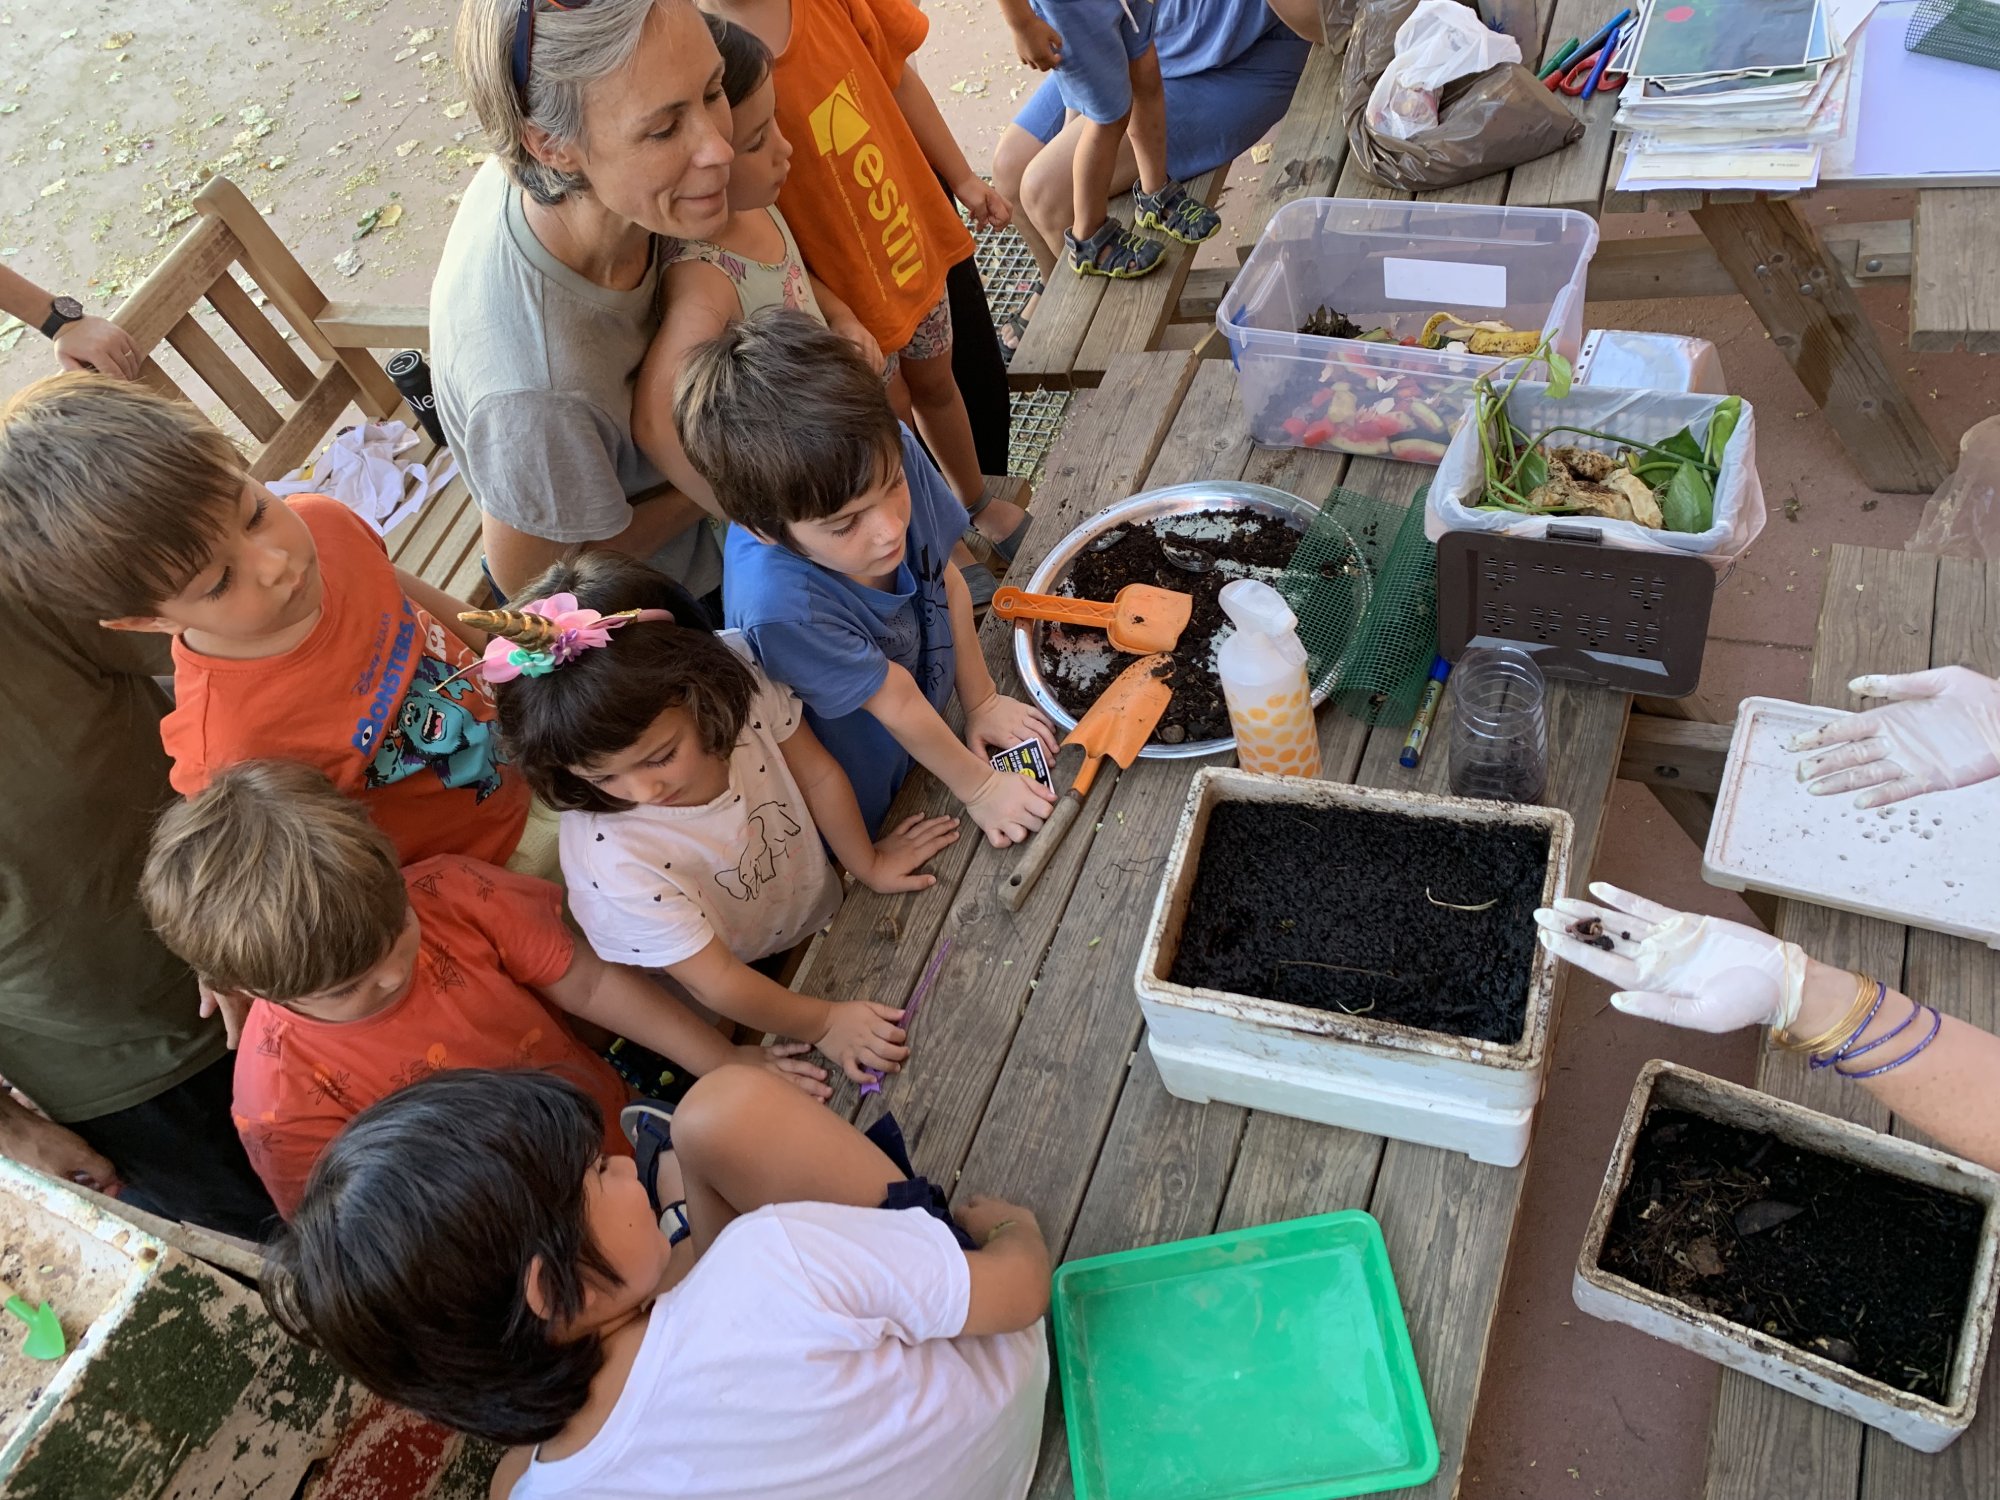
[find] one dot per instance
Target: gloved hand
(1676, 966)
(1939, 730)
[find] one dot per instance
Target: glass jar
(1499, 726)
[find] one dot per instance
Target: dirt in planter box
(1420, 921)
(1868, 1270)
(1193, 554)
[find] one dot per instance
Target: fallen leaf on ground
(118, 39)
(55, 187)
(404, 56)
(391, 217)
(347, 262)
(428, 34)
(350, 96)
(1262, 153)
(407, 147)
(453, 111)
(8, 109)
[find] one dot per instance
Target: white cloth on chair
(360, 469)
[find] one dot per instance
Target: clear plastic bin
(1392, 264)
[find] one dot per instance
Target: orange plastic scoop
(1141, 619)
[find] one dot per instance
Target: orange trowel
(1142, 618)
(1118, 724)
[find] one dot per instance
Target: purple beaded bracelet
(1840, 1052)
(1937, 1024)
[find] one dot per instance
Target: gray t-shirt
(534, 366)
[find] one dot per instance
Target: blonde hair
(111, 497)
(573, 49)
(271, 883)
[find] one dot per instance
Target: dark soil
(1178, 552)
(1364, 912)
(1868, 1270)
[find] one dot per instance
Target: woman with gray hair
(608, 127)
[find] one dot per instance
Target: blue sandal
(648, 1125)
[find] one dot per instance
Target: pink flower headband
(540, 636)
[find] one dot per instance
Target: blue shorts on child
(1100, 40)
(831, 640)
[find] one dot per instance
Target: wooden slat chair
(330, 370)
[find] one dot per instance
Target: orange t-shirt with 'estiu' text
(862, 201)
(488, 939)
(371, 699)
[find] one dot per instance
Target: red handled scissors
(1574, 78)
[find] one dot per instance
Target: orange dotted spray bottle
(1263, 670)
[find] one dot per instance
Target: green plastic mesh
(1371, 646)
(1963, 30)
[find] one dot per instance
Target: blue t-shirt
(830, 639)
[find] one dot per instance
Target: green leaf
(1533, 472)
(1688, 505)
(1560, 373)
(1721, 426)
(1683, 445)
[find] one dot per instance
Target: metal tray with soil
(1425, 922)
(1190, 537)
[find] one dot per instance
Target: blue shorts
(1100, 42)
(1212, 117)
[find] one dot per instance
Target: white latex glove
(1939, 730)
(1676, 966)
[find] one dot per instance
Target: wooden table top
(1028, 1078)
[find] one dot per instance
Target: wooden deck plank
(1061, 322)
(1955, 298)
(1306, 153)
(1876, 616)
(1574, 176)
(1133, 315)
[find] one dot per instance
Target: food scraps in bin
(1667, 486)
(1357, 411)
(1441, 330)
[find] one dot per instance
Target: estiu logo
(841, 130)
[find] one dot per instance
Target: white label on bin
(1444, 283)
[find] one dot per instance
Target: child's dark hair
(602, 701)
(746, 61)
(408, 1258)
(785, 420)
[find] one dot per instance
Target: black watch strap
(62, 312)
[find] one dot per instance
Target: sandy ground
(333, 113)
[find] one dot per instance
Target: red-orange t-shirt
(489, 939)
(862, 201)
(364, 699)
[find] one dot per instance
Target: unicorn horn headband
(535, 639)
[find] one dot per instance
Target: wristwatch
(62, 312)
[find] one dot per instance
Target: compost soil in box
(1193, 554)
(1426, 922)
(1869, 1270)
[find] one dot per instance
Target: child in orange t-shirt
(864, 203)
(363, 978)
(294, 636)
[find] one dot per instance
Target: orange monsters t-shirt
(862, 201)
(489, 939)
(364, 699)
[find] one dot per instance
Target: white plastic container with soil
(1851, 1268)
(1358, 957)
(1359, 325)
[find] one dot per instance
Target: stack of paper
(1734, 95)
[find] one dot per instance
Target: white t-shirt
(809, 1356)
(651, 886)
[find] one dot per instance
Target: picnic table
(1882, 612)
(1799, 283)
(1029, 1078)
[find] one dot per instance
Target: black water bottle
(412, 374)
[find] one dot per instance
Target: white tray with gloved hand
(1901, 819)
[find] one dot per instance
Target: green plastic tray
(1271, 1362)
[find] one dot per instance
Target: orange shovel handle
(1018, 604)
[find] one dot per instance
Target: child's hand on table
(1036, 43)
(988, 209)
(1009, 807)
(788, 1061)
(863, 1035)
(902, 853)
(1001, 723)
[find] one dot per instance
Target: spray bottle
(1263, 671)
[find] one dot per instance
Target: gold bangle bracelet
(1864, 995)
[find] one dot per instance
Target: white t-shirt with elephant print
(652, 885)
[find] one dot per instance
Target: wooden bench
(1082, 323)
(324, 370)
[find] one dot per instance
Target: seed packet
(1026, 759)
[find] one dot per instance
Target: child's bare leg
(1148, 128)
(947, 430)
(746, 1138)
(1090, 186)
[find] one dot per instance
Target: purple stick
(930, 974)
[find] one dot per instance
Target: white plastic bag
(1644, 416)
(1963, 518)
(1441, 40)
(1650, 362)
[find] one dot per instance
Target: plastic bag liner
(1441, 42)
(1488, 123)
(1647, 416)
(1963, 518)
